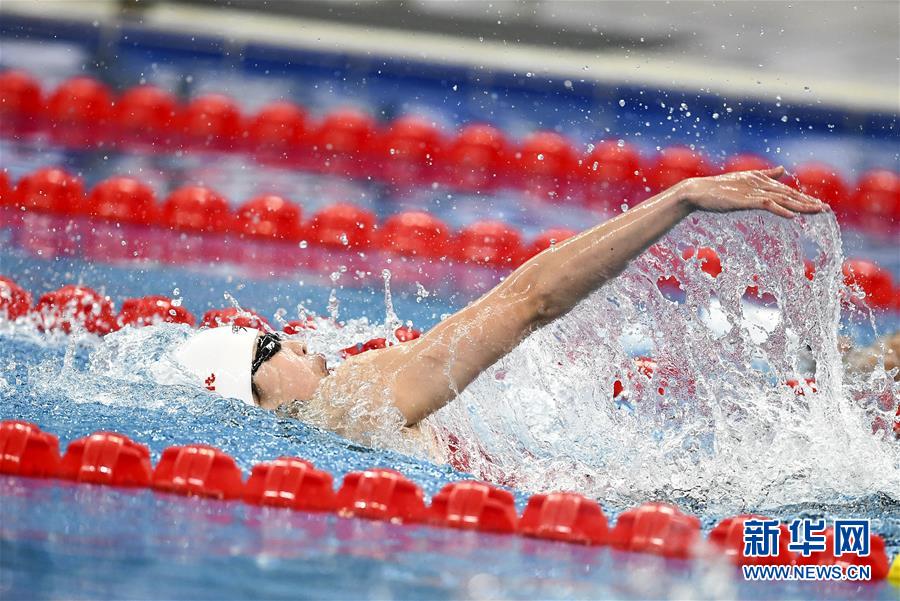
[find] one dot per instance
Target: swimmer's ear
(774, 172)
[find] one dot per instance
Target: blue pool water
(58, 540)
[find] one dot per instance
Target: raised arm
(429, 372)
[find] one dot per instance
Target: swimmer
(420, 376)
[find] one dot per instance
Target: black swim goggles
(267, 346)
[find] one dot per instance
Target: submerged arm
(429, 372)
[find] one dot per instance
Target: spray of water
(716, 422)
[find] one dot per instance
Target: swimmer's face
(291, 374)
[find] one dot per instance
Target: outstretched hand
(745, 190)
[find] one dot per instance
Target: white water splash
(726, 431)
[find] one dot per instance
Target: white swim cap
(220, 358)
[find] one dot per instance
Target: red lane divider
(21, 101)
(198, 470)
(874, 281)
(123, 199)
(549, 238)
(546, 165)
(343, 226)
(346, 227)
(278, 130)
(58, 310)
(27, 451)
(403, 334)
(211, 121)
(474, 506)
(145, 114)
(15, 301)
(385, 494)
(52, 190)
(658, 528)
(106, 458)
(728, 537)
(244, 318)
(151, 310)
(568, 517)
(381, 494)
(82, 112)
(877, 559)
(270, 216)
(479, 156)
(292, 483)
(5, 189)
(675, 164)
(199, 209)
(415, 233)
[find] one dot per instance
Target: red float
(568, 517)
(746, 162)
(212, 121)
(809, 269)
(343, 226)
(270, 216)
(5, 188)
(874, 281)
(291, 483)
(877, 197)
(403, 334)
(152, 310)
(546, 164)
(477, 158)
(800, 390)
(674, 165)
(728, 538)
(279, 130)
(474, 506)
(145, 114)
(708, 259)
(644, 366)
(415, 233)
(106, 458)
(79, 111)
(877, 559)
(298, 325)
(658, 528)
(381, 494)
(343, 141)
(408, 151)
(549, 238)
(123, 199)
(232, 316)
(58, 310)
(20, 101)
(198, 470)
(490, 243)
(27, 451)
(15, 301)
(823, 182)
(50, 189)
(613, 174)
(197, 208)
